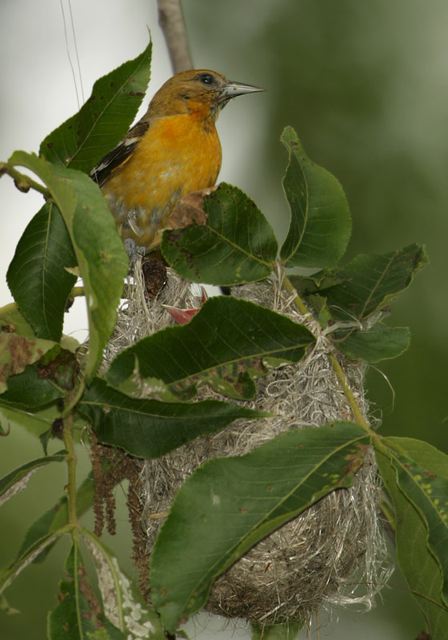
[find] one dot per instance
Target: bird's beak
(234, 89)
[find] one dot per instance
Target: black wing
(103, 170)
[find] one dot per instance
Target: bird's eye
(206, 78)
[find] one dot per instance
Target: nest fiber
(333, 553)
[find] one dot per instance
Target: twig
(22, 182)
(71, 467)
(290, 288)
(172, 23)
(77, 292)
(342, 379)
(338, 370)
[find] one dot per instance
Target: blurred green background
(365, 84)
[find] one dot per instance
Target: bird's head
(197, 91)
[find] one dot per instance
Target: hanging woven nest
(333, 553)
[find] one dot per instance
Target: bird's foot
(134, 251)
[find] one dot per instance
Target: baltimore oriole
(172, 151)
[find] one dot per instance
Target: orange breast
(176, 156)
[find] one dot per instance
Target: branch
(172, 23)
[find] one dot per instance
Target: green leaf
(6, 608)
(229, 504)
(78, 615)
(30, 390)
(416, 478)
(17, 480)
(37, 275)
(104, 119)
(320, 308)
(17, 352)
(35, 423)
(120, 603)
(320, 217)
(226, 335)
(369, 283)
(150, 428)
(43, 383)
(12, 321)
(236, 245)
(423, 477)
(99, 250)
(240, 386)
(45, 531)
(56, 518)
(8, 575)
(372, 345)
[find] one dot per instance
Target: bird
(172, 151)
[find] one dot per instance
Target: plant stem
(73, 399)
(338, 370)
(77, 292)
(23, 182)
(71, 471)
(342, 379)
(300, 305)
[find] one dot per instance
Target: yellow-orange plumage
(176, 156)
(173, 151)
